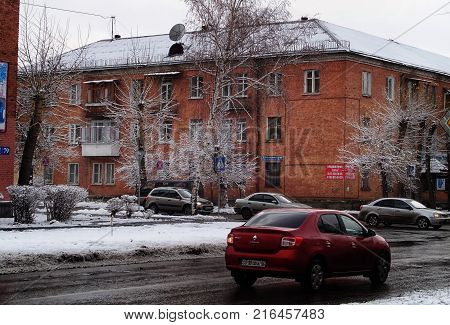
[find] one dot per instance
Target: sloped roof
(327, 37)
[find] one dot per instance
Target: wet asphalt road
(421, 260)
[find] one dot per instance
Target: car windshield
(278, 219)
(285, 199)
(417, 205)
(185, 193)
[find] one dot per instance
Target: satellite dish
(177, 32)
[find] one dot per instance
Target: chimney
(117, 36)
(304, 18)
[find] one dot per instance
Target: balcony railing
(100, 141)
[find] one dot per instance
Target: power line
(66, 10)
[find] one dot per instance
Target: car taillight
(230, 239)
(291, 241)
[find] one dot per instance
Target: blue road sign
(4, 151)
(219, 164)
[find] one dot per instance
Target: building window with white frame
(241, 126)
(242, 85)
(312, 82)
(273, 129)
(195, 129)
(196, 87)
(110, 173)
(275, 84)
(75, 94)
(49, 134)
(74, 134)
(96, 174)
(48, 175)
(166, 93)
(366, 84)
(74, 174)
(390, 83)
(228, 128)
(165, 132)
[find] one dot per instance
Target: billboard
(3, 87)
(340, 172)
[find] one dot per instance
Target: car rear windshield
(278, 219)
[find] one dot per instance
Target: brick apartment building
(295, 132)
(9, 30)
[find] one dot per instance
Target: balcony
(100, 141)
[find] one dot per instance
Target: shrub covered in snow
(24, 200)
(130, 204)
(114, 205)
(60, 200)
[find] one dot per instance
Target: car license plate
(253, 263)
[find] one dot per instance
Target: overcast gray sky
(385, 18)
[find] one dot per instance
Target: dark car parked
(307, 245)
(402, 211)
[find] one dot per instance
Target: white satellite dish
(177, 32)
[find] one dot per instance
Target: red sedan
(307, 245)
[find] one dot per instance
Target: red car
(307, 245)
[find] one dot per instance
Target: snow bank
(120, 239)
(425, 297)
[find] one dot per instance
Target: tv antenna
(177, 32)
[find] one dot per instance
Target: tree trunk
(141, 144)
(447, 181)
(194, 196)
(26, 164)
(384, 182)
(431, 186)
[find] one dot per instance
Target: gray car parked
(257, 202)
(402, 211)
(175, 199)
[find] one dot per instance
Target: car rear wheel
(244, 279)
(423, 223)
(154, 208)
(246, 213)
(436, 227)
(372, 220)
(380, 270)
(314, 276)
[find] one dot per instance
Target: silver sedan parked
(257, 202)
(402, 211)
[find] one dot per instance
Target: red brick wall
(9, 27)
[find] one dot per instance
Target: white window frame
(75, 94)
(74, 134)
(46, 172)
(390, 88)
(110, 167)
(277, 135)
(228, 128)
(196, 87)
(195, 126)
(315, 75)
(165, 132)
(367, 84)
(275, 84)
(98, 173)
(76, 173)
(241, 131)
(166, 92)
(242, 85)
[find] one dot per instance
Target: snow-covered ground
(120, 239)
(425, 297)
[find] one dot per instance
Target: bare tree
(44, 76)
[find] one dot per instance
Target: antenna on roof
(177, 32)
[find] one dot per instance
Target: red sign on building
(340, 172)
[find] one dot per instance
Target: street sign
(219, 164)
(445, 122)
(272, 158)
(4, 151)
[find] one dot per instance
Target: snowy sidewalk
(425, 297)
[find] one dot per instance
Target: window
(165, 132)
(96, 174)
(390, 88)
(365, 181)
(166, 93)
(447, 100)
(173, 195)
(226, 88)
(273, 174)
(273, 129)
(49, 133)
(74, 134)
(241, 126)
(48, 175)
(100, 92)
(329, 223)
(257, 198)
(278, 219)
(352, 228)
(242, 85)
(163, 169)
(196, 87)
(100, 131)
(385, 203)
(228, 129)
(413, 90)
(75, 92)
(275, 84)
(433, 95)
(270, 199)
(367, 84)
(110, 174)
(312, 82)
(195, 129)
(74, 174)
(402, 205)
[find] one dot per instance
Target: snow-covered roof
(153, 50)
(99, 81)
